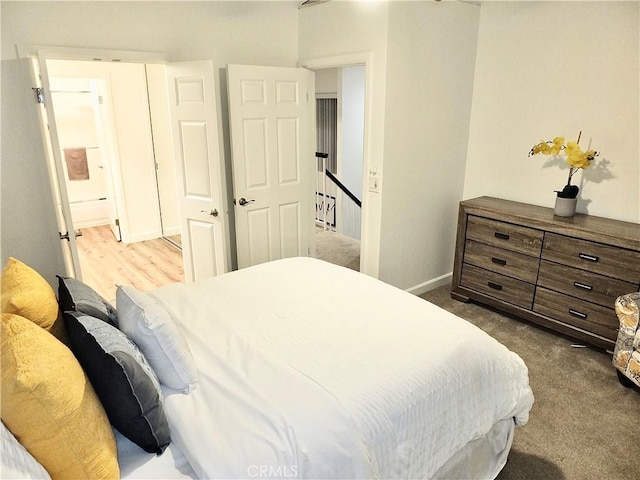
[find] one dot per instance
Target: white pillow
(17, 462)
(150, 326)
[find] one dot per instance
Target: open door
(272, 156)
(40, 81)
(199, 173)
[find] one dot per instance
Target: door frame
(37, 56)
(368, 254)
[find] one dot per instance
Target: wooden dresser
(562, 273)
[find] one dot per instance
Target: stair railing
(327, 186)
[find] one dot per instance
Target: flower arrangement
(575, 157)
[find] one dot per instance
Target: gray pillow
(123, 380)
(76, 296)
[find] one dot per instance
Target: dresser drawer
(505, 235)
(506, 262)
(499, 286)
(594, 257)
(583, 284)
(585, 315)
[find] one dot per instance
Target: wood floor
(106, 263)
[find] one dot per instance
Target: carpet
(584, 424)
(339, 249)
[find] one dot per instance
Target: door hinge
(64, 236)
(117, 222)
(39, 93)
(100, 99)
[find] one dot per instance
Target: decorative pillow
(123, 380)
(153, 330)
(17, 462)
(26, 293)
(76, 296)
(49, 405)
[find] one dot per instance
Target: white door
(105, 135)
(199, 172)
(272, 156)
(40, 79)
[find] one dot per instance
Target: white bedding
(136, 464)
(310, 370)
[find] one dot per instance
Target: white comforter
(309, 370)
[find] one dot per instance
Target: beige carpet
(338, 249)
(584, 424)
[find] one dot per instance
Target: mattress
(310, 370)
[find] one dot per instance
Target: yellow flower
(558, 143)
(537, 148)
(591, 155)
(577, 159)
(571, 148)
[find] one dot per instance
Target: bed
(302, 369)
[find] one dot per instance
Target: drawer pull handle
(591, 258)
(499, 261)
(495, 286)
(578, 314)
(501, 236)
(582, 286)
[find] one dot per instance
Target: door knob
(213, 213)
(243, 201)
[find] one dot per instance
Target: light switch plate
(374, 184)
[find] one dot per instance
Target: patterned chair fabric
(626, 356)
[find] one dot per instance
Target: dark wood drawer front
(499, 260)
(499, 286)
(582, 284)
(592, 256)
(505, 235)
(581, 314)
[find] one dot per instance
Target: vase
(565, 207)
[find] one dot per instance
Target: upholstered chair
(626, 355)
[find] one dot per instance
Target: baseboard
(141, 237)
(168, 232)
(431, 284)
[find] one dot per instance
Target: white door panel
(199, 172)
(40, 78)
(272, 158)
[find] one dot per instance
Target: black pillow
(125, 383)
(76, 296)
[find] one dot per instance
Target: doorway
(340, 97)
(114, 169)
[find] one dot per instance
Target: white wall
(352, 95)
(327, 81)
(262, 33)
(546, 69)
(28, 227)
(430, 71)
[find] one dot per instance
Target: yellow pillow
(49, 405)
(26, 293)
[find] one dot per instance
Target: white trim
(326, 95)
(432, 284)
(89, 54)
